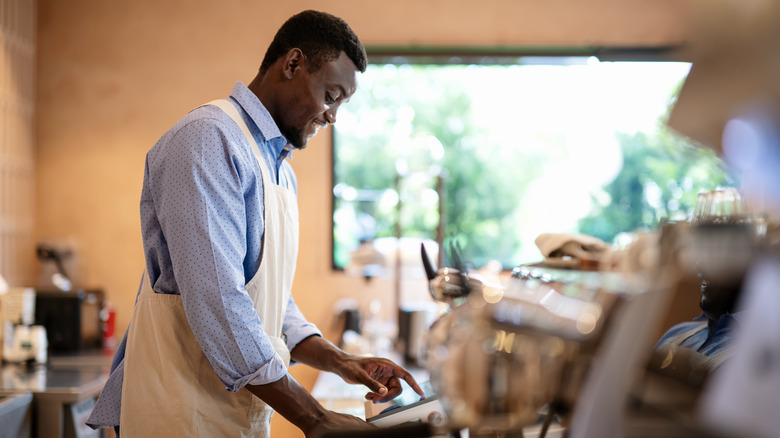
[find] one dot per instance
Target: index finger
(407, 376)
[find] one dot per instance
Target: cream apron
(163, 356)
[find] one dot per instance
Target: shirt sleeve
(198, 180)
(295, 326)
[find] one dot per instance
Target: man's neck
(259, 86)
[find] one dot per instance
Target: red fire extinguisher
(108, 317)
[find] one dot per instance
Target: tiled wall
(17, 142)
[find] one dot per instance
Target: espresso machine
(549, 351)
(530, 353)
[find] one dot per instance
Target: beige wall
(113, 76)
(17, 142)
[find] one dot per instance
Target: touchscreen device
(427, 410)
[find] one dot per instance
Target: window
(521, 146)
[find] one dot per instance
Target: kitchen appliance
(21, 340)
(448, 285)
(414, 319)
(72, 319)
(18, 305)
(48, 253)
(523, 347)
(25, 343)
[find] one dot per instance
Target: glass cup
(719, 206)
(698, 211)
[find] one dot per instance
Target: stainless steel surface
(450, 285)
(54, 388)
(49, 381)
(15, 415)
(498, 359)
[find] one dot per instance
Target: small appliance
(21, 340)
(72, 319)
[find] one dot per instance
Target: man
(215, 325)
(691, 350)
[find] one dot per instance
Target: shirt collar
(725, 319)
(257, 112)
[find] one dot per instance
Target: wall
(17, 141)
(113, 76)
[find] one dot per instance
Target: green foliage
(479, 208)
(661, 176)
(488, 179)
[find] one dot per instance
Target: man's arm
(194, 220)
(294, 403)
(381, 376)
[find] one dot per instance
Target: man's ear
(293, 62)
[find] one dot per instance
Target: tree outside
(522, 150)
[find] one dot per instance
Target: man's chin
(296, 139)
(300, 143)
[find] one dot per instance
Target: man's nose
(330, 115)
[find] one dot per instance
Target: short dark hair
(320, 36)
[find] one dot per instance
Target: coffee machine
(22, 341)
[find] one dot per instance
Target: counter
(16, 415)
(336, 395)
(63, 392)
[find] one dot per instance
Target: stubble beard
(295, 138)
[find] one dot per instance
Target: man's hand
(381, 376)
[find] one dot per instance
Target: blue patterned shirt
(202, 227)
(710, 340)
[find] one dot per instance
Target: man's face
(313, 98)
(718, 299)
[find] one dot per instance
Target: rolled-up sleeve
(199, 185)
(295, 326)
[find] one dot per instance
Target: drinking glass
(719, 206)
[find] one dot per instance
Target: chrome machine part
(499, 358)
